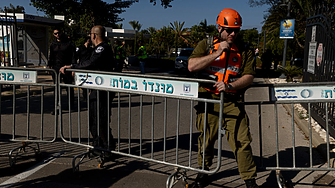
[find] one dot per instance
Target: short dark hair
(58, 29)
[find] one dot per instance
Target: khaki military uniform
(235, 119)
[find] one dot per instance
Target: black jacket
(62, 53)
(100, 60)
(83, 53)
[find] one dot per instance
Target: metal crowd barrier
(25, 103)
(287, 157)
(144, 124)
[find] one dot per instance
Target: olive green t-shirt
(248, 65)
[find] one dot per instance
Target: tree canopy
(101, 12)
(87, 13)
(12, 8)
(279, 10)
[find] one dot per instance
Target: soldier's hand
(221, 86)
(224, 46)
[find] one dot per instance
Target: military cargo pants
(236, 124)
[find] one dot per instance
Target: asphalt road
(53, 166)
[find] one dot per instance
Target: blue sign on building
(287, 29)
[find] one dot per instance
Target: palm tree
(152, 30)
(204, 26)
(162, 39)
(118, 26)
(137, 27)
(178, 29)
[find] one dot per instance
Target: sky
(190, 11)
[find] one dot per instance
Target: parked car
(181, 62)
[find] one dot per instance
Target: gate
(319, 58)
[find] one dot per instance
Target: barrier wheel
(185, 183)
(287, 185)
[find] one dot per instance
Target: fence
(26, 99)
(288, 152)
(144, 121)
(319, 58)
(152, 123)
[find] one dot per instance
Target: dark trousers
(98, 119)
(119, 65)
(67, 79)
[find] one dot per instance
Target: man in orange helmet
(234, 67)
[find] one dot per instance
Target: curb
(317, 141)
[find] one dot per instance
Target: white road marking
(12, 181)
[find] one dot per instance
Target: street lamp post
(285, 42)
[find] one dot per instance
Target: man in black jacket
(83, 53)
(62, 52)
(101, 60)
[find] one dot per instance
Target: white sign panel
(303, 93)
(313, 33)
(149, 85)
(17, 76)
(311, 57)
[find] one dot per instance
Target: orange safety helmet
(229, 18)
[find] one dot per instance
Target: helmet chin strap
(220, 32)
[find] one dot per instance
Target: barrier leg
(175, 177)
(19, 151)
(282, 183)
(102, 156)
(75, 167)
